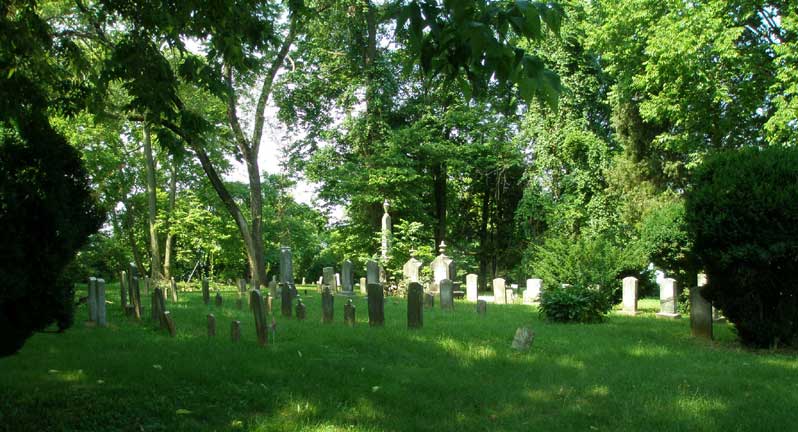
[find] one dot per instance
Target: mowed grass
(457, 373)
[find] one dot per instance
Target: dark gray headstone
(235, 331)
(376, 304)
(327, 305)
(700, 311)
(286, 266)
(452, 271)
(256, 302)
(482, 307)
(447, 294)
(415, 305)
(328, 278)
(346, 277)
(101, 312)
(219, 298)
(92, 300)
(211, 325)
(372, 272)
(300, 309)
(206, 293)
(429, 300)
(285, 300)
(349, 313)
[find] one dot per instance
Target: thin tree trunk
(483, 239)
(131, 238)
(439, 173)
(167, 252)
(155, 252)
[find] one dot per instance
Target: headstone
(499, 291)
(328, 278)
(410, 270)
(285, 300)
(123, 289)
(700, 311)
(415, 305)
(219, 299)
(174, 290)
(273, 286)
(482, 307)
(429, 300)
(440, 268)
(235, 331)
(211, 325)
(452, 271)
(668, 300)
(372, 272)
(629, 296)
(268, 303)
(206, 294)
(327, 305)
(300, 310)
(101, 312)
(132, 273)
(349, 313)
(92, 299)
(256, 302)
(346, 277)
(509, 295)
(447, 294)
(471, 287)
(136, 298)
(286, 267)
(717, 316)
(387, 239)
(337, 282)
(363, 286)
(170, 323)
(523, 339)
(532, 291)
(376, 305)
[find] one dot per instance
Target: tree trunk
(483, 238)
(167, 250)
(131, 238)
(155, 252)
(257, 263)
(439, 174)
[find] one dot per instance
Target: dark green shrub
(575, 304)
(742, 213)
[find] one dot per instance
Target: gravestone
(410, 270)
(349, 313)
(499, 291)
(337, 287)
(136, 298)
(211, 325)
(268, 303)
(256, 302)
(346, 278)
(300, 310)
(372, 273)
(133, 272)
(219, 299)
(386, 240)
(629, 296)
(532, 291)
(482, 307)
(91, 302)
(327, 305)
(287, 270)
(376, 305)
(235, 331)
(206, 293)
(101, 312)
(285, 300)
(174, 290)
(471, 287)
(273, 286)
(700, 311)
(429, 300)
(363, 286)
(523, 339)
(170, 323)
(668, 300)
(452, 271)
(123, 289)
(415, 305)
(328, 278)
(447, 294)
(303, 281)
(440, 267)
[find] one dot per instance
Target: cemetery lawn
(458, 373)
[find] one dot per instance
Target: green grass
(457, 373)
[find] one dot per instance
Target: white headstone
(363, 286)
(499, 291)
(410, 270)
(532, 291)
(667, 299)
(471, 287)
(629, 295)
(440, 268)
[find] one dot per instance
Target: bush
(575, 304)
(742, 214)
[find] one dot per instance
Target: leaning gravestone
(206, 294)
(92, 299)
(372, 273)
(415, 305)
(668, 299)
(700, 311)
(101, 312)
(256, 302)
(376, 305)
(235, 331)
(285, 300)
(499, 291)
(327, 305)
(170, 323)
(471, 287)
(482, 307)
(447, 294)
(346, 278)
(532, 291)
(523, 339)
(349, 313)
(629, 296)
(300, 309)
(211, 325)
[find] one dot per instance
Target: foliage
(575, 304)
(743, 217)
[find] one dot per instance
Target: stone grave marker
(328, 278)
(327, 305)
(170, 323)
(337, 282)
(235, 331)
(447, 294)
(363, 286)
(668, 299)
(499, 291)
(376, 305)
(415, 305)
(92, 299)
(471, 287)
(349, 313)
(523, 339)
(440, 267)
(532, 291)
(429, 300)
(410, 270)
(286, 304)
(482, 307)
(700, 311)
(256, 301)
(629, 296)
(372, 273)
(346, 277)
(218, 298)
(123, 289)
(101, 312)
(211, 325)
(287, 270)
(300, 309)
(273, 285)
(206, 294)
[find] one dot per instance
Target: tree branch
(232, 114)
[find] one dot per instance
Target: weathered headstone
(328, 278)
(132, 273)
(452, 271)
(235, 331)
(101, 312)
(219, 299)
(429, 300)
(349, 313)
(267, 302)
(285, 300)
(376, 304)
(206, 293)
(668, 300)
(92, 299)
(415, 305)
(523, 339)
(337, 282)
(532, 291)
(327, 305)
(629, 296)
(440, 267)
(499, 291)
(447, 294)
(372, 272)
(174, 290)
(471, 287)
(482, 307)
(170, 323)
(346, 277)
(363, 286)
(256, 302)
(286, 267)
(410, 270)
(273, 285)
(211, 325)
(300, 309)
(123, 289)
(700, 311)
